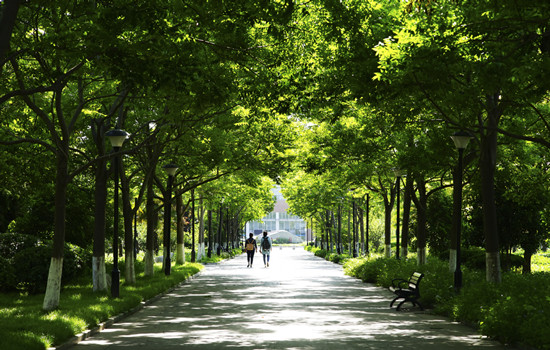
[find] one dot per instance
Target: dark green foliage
(8, 209)
(37, 219)
(474, 258)
(321, 253)
(25, 262)
(32, 268)
(522, 312)
(7, 275)
(439, 222)
(335, 258)
(11, 243)
(332, 257)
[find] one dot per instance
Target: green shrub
(33, 263)
(333, 257)
(8, 281)
(320, 253)
(521, 312)
(11, 243)
(32, 268)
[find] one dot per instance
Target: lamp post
(398, 174)
(209, 254)
(220, 218)
(227, 230)
(193, 225)
(117, 138)
(339, 248)
(135, 230)
(354, 212)
(171, 171)
(367, 225)
(461, 140)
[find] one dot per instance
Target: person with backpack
(251, 247)
(265, 248)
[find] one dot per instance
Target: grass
(25, 326)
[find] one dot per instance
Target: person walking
(265, 248)
(251, 247)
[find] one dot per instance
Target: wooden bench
(407, 290)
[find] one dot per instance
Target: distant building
(279, 219)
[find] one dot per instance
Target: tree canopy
(327, 98)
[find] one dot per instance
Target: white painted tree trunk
(387, 250)
(180, 254)
(149, 263)
(129, 268)
(53, 289)
(404, 252)
(452, 260)
(201, 251)
(492, 261)
(99, 275)
(421, 256)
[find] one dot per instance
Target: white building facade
(279, 219)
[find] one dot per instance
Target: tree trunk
(329, 231)
(99, 275)
(527, 262)
(152, 221)
(421, 228)
(456, 221)
(362, 230)
(487, 170)
(128, 216)
(201, 251)
(387, 227)
(409, 183)
(7, 23)
(180, 245)
(53, 287)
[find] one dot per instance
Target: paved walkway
(300, 302)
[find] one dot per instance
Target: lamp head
(398, 172)
(170, 169)
(461, 139)
(117, 137)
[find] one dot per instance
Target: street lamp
(398, 174)
(171, 171)
(461, 140)
(117, 138)
(193, 225)
(210, 242)
(219, 248)
(339, 248)
(354, 212)
(367, 226)
(136, 249)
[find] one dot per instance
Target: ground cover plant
(516, 311)
(25, 326)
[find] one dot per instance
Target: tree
(474, 63)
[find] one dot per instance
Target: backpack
(266, 244)
(249, 244)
